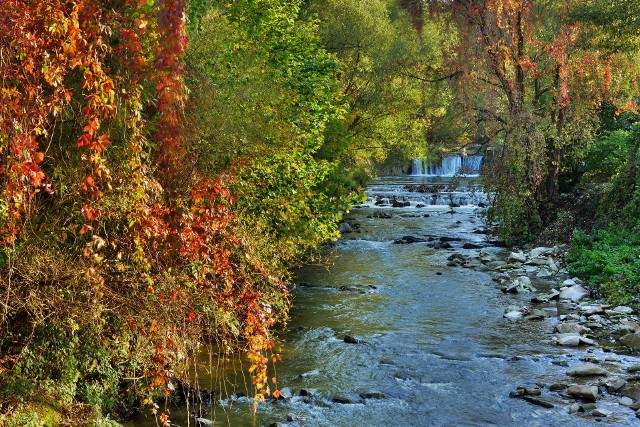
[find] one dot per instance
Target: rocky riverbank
(603, 383)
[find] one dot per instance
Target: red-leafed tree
(105, 220)
(533, 86)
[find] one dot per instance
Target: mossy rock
(36, 414)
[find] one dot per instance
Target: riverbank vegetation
(165, 163)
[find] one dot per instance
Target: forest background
(165, 163)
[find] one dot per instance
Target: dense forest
(164, 164)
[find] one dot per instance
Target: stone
(524, 280)
(574, 408)
(601, 413)
(590, 310)
(344, 228)
(571, 328)
(408, 239)
(569, 282)
(632, 341)
(343, 400)
(537, 252)
(634, 368)
(373, 395)
(558, 387)
(285, 393)
(201, 422)
(471, 246)
(584, 392)
(351, 340)
(540, 262)
(574, 293)
(517, 257)
(586, 341)
(568, 340)
(623, 310)
(513, 315)
(585, 407)
(539, 401)
(536, 315)
(625, 401)
(632, 326)
(588, 369)
(631, 390)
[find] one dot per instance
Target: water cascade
(449, 166)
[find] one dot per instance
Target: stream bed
(390, 335)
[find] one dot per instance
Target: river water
(433, 347)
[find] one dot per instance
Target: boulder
(623, 310)
(568, 340)
(601, 413)
(517, 257)
(631, 390)
(571, 328)
(351, 340)
(344, 228)
(373, 395)
(584, 392)
(632, 341)
(408, 239)
(625, 401)
(615, 386)
(471, 246)
(574, 293)
(538, 252)
(588, 369)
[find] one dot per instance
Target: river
(433, 348)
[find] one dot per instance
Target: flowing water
(434, 348)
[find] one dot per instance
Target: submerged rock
(373, 395)
(408, 239)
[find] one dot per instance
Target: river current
(429, 347)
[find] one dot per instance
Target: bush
(609, 262)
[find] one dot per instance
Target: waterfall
(449, 166)
(416, 167)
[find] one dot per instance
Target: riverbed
(386, 333)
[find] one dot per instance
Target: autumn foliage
(107, 224)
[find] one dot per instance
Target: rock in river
(408, 239)
(584, 392)
(574, 293)
(632, 341)
(588, 369)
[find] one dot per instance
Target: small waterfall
(449, 166)
(471, 165)
(416, 167)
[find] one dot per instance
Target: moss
(36, 414)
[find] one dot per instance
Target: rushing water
(433, 342)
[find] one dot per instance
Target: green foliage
(606, 155)
(386, 65)
(609, 262)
